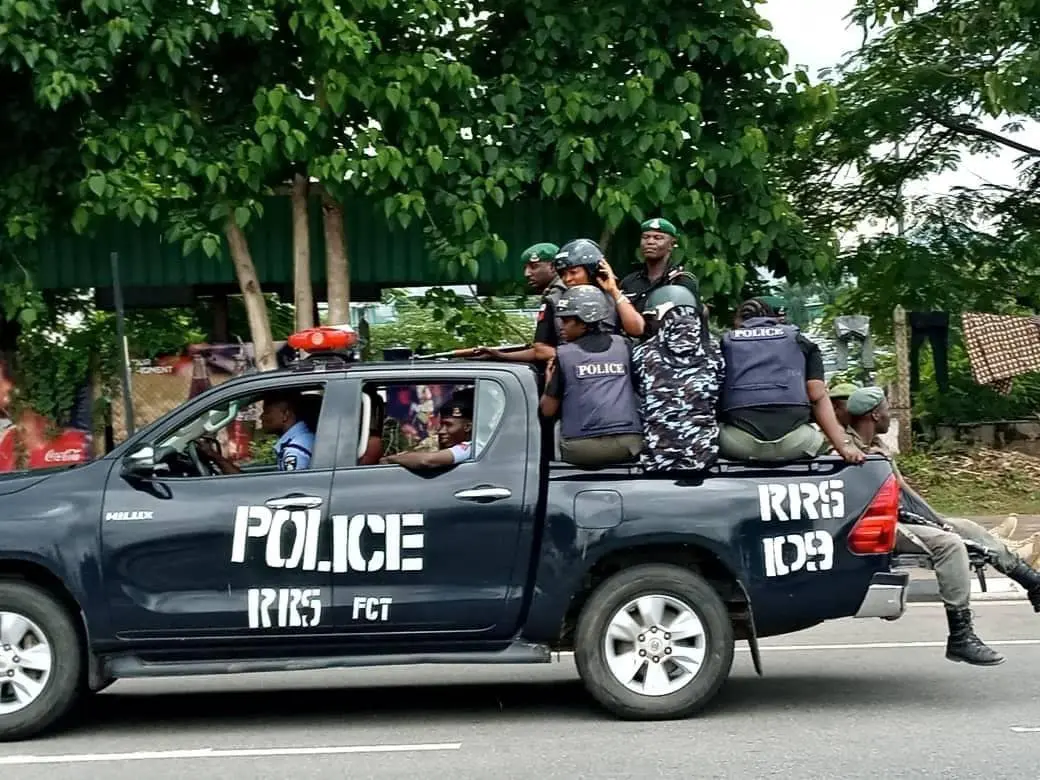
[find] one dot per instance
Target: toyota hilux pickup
(152, 561)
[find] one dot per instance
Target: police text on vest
(811, 551)
(292, 539)
(802, 500)
(585, 370)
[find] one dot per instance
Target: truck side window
(409, 415)
(235, 429)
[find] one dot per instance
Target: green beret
(659, 224)
(543, 252)
(843, 390)
(865, 400)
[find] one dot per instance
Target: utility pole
(901, 403)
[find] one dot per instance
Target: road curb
(997, 589)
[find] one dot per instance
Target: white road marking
(855, 646)
(887, 645)
(167, 755)
(1025, 729)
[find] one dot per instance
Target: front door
(430, 552)
(194, 556)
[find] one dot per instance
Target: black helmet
(579, 252)
(665, 298)
(584, 302)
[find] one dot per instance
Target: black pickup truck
(151, 562)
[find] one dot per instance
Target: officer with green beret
(656, 244)
(941, 538)
(839, 399)
(541, 276)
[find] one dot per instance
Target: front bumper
(886, 596)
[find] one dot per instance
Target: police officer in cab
(656, 243)
(773, 389)
(591, 385)
(280, 416)
(454, 437)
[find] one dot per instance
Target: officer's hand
(606, 276)
(852, 454)
(550, 369)
(209, 448)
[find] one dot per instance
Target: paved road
(846, 700)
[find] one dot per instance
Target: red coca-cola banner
(34, 442)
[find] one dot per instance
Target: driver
(280, 416)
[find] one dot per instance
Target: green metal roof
(379, 255)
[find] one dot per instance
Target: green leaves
(636, 118)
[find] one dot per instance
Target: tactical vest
(598, 397)
(764, 366)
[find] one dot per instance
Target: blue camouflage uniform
(295, 447)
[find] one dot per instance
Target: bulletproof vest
(598, 397)
(764, 366)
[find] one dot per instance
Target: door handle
(294, 502)
(484, 494)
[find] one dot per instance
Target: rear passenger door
(437, 551)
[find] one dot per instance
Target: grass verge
(969, 482)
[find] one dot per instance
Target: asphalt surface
(849, 699)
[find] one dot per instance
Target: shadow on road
(429, 704)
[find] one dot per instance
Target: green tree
(912, 102)
(657, 108)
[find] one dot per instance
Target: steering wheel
(204, 464)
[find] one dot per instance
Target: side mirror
(140, 462)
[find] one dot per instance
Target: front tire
(654, 642)
(41, 661)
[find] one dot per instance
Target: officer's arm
(421, 460)
(550, 403)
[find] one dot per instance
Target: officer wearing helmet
(679, 372)
(581, 262)
(591, 385)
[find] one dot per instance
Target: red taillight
(875, 532)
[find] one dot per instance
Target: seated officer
(591, 379)
(454, 436)
(281, 415)
(679, 373)
(773, 389)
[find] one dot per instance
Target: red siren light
(329, 338)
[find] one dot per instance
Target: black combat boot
(1029, 579)
(963, 645)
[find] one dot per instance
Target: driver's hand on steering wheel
(210, 448)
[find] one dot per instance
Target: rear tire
(41, 661)
(639, 673)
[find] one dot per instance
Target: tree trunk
(337, 265)
(604, 240)
(303, 294)
(252, 295)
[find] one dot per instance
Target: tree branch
(964, 129)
